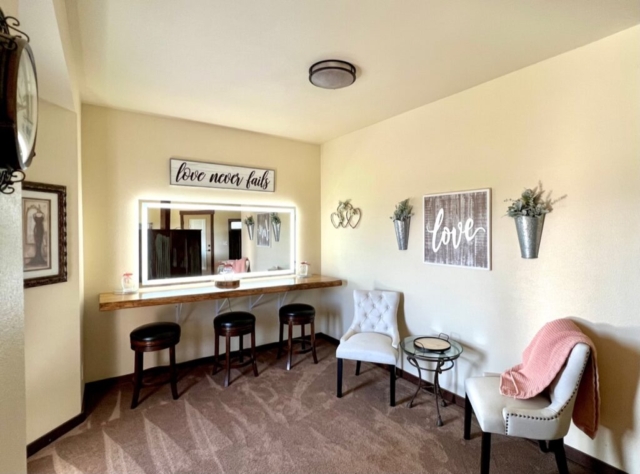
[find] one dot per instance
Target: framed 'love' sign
(457, 229)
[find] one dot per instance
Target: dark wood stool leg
(339, 378)
(280, 343)
(216, 354)
(253, 351)
(467, 417)
(228, 359)
(313, 342)
(173, 372)
(357, 367)
(290, 345)
(137, 379)
(485, 458)
(303, 343)
(557, 446)
(392, 379)
(241, 337)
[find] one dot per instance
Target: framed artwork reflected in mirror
(263, 239)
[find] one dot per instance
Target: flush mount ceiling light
(332, 74)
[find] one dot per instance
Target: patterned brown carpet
(281, 422)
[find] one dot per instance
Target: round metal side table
(443, 361)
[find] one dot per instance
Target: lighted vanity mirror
(188, 243)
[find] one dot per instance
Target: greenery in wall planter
(529, 211)
(249, 223)
(275, 223)
(402, 220)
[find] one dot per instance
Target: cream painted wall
(126, 158)
(12, 384)
(572, 121)
(52, 312)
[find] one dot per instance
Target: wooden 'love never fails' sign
(214, 175)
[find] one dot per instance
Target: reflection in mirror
(185, 242)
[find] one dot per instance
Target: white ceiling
(244, 63)
(38, 20)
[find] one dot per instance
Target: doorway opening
(235, 239)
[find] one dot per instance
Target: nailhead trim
(557, 415)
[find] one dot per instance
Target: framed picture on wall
(457, 229)
(44, 234)
(263, 237)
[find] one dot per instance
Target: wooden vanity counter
(248, 287)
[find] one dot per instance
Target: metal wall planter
(250, 230)
(276, 230)
(529, 235)
(402, 233)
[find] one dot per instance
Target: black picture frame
(44, 234)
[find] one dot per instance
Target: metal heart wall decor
(346, 215)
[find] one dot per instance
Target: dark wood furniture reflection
(228, 325)
(174, 253)
(150, 338)
(235, 240)
(297, 314)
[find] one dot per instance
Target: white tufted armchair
(373, 335)
(546, 417)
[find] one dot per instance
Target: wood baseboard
(54, 434)
(94, 389)
(326, 337)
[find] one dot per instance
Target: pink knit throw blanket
(542, 361)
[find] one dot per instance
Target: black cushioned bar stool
(228, 325)
(150, 338)
(297, 314)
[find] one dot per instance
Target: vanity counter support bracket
(220, 305)
(178, 312)
(254, 302)
(281, 299)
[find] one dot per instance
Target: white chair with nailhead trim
(373, 335)
(546, 417)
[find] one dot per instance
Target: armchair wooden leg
(392, 379)
(339, 378)
(557, 446)
(358, 367)
(468, 411)
(543, 446)
(486, 453)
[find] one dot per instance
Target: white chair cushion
(488, 404)
(368, 347)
